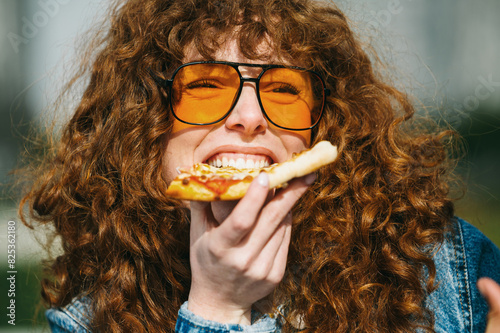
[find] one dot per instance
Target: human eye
(203, 83)
(285, 88)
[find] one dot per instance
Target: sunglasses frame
(167, 86)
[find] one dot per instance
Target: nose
(246, 116)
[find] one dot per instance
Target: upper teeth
(238, 163)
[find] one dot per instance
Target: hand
(491, 291)
(239, 249)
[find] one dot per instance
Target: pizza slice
(208, 183)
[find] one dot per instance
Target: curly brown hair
(364, 234)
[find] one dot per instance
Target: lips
(240, 160)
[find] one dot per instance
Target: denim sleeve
(465, 256)
(73, 317)
(188, 322)
(482, 260)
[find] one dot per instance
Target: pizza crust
(206, 183)
(302, 164)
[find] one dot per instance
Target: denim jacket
(464, 257)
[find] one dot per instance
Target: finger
(278, 208)
(277, 251)
(244, 216)
(491, 292)
(493, 323)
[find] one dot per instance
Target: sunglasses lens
(292, 98)
(204, 93)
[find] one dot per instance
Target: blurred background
(445, 53)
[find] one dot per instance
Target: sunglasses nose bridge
(250, 80)
(246, 114)
(255, 89)
(242, 80)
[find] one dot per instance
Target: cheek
(296, 141)
(179, 126)
(180, 148)
(293, 140)
(307, 137)
(178, 152)
(168, 168)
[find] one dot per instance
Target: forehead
(229, 50)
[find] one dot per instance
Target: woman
(372, 245)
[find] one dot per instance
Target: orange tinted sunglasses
(205, 92)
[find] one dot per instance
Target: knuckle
(261, 273)
(215, 250)
(244, 263)
(259, 276)
(275, 277)
(241, 225)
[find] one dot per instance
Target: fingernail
(310, 178)
(263, 179)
